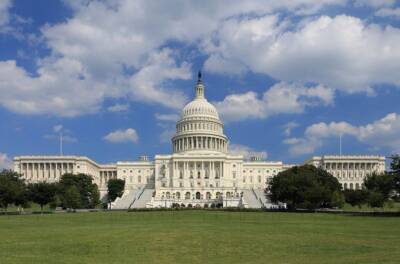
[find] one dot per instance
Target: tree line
(304, 186)
(308, 187)
(71, 192)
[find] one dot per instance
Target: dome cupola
(199, 128)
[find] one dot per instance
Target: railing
(258, 198)
(137, 197)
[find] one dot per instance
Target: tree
(337, 199)
(88, 191)
(356, 197)
(395, 163)
(12, 189)
(21, 198)
(72, 198)
(115, 188)
(380, 183)
(42, 193)
(304, 187)
(395, 172)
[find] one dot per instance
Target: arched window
(208, 195)
(198, 195)
(198, 174)
(351, 186)
(218, 195)
(187, 195)
(357, 186)
(168, 195)
(178, 195)
(345, 186)
(228, 195)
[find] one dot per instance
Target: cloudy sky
(288, 77)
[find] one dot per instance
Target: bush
(356, 197)
(376, 199)
(337, 199)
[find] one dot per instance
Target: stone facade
(350, 170)
(199, 172)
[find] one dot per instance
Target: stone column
(40, 172)
(202, 173)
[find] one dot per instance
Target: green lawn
(198, 237)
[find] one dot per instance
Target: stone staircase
(142, 199)
(125, 201)
(251, 199)
(260, 194)
(265, 201)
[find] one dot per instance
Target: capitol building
(200, 172)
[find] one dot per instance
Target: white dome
(199, 128)
(199, 107)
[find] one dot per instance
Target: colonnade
(198, 169)
(200, 195)
(199, 142)
(197, 126)
(42, 171)
(351, 173)
(107, 175)
(350, 169)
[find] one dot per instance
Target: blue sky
(288, 77)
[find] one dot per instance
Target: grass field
(198, 237)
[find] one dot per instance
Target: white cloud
(66, 134)
(122, 135)
(92, 58)
(65, 138)
(374, 3)
(247, 152)
(118, 108)
(288, 127)
(167, 117)
(5, 161)
(5, 5)
(280, 98)
(237, 107)
(167, 134)
(388, 12)
(57, 128)
(382, 133)
(343, 52)
(146, 85)
(61, 88)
